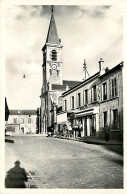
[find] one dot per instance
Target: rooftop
(66, 83)
(23, 112)
(80, 84)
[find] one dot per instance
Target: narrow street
(59, 163)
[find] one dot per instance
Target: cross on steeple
(52, 9)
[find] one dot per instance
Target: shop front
(86, 122)
(64, 125)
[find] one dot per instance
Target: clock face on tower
(54, 66)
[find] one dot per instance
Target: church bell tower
(52, 76)
(52, 56)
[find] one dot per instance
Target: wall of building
(81, 90)
(112, 103)
(21, 124)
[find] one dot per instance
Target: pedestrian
(107, 132)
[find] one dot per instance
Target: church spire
(52, 36)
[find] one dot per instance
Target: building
(111, 101)
(80, 106)
(93, 103)
(21, 122)
(80, 103)
(53, 85)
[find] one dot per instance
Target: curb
(100, 143)
(73, 139)
(93, 142)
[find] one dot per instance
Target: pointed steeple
(52, 36)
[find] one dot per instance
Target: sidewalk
(93, 140)
(90, 139)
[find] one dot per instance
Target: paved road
(60, 163)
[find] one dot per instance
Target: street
(59, 163)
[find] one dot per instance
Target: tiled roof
(52, 36)
(23, 112)
(58, 87)
(71, 83)
(66, 83)
(80, 84)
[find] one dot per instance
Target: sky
(86, 32)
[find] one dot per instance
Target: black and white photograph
(64, 96)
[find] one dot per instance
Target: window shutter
(91, 95)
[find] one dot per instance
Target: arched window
(54, 55)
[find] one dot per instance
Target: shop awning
(62, 118)
(86, 112)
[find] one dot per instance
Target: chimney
(101, 61)
(106, 70)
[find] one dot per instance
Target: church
(53, 85)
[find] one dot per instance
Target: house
(81, 106)
(93, 103)
(111, 101)
(21, 122)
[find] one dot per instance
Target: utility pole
(85, 69)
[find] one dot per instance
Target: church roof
(52, 36)
(71, 83)
(66, 83)
(58, 87)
